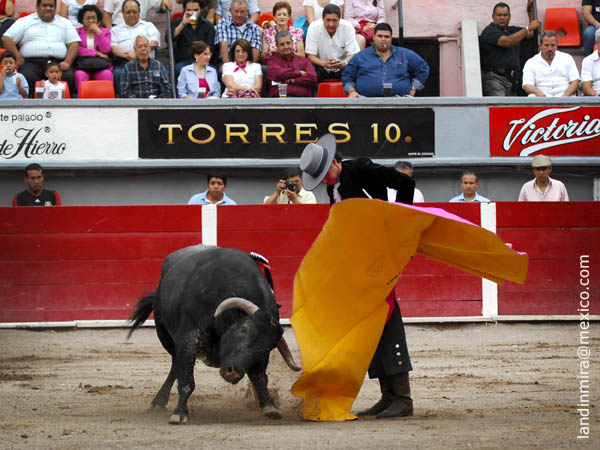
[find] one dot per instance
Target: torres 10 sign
(552, 131)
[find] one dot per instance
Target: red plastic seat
(331, 89)
(176, 15)
(25, 13)
(565, 22)
(97, 89)
(67, 93)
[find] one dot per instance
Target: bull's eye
(244, 328)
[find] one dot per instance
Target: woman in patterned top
(282, 11)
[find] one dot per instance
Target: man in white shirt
(543, 188)
(224, 10)
(123, 36)
(113, 10)
(331, 43)
(550, 73)
(590, 71)
(406, 168)
(42, 37)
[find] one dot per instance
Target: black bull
(214, 304)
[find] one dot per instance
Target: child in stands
(12, 83)
(53, 87)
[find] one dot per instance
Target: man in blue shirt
(469, 185)
(381, 63)
(215, 194)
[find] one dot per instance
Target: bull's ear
(279, 306)
(274, 323)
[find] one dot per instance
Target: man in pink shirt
(543, 188)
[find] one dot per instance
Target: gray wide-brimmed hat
(541, 161)
(316, 160)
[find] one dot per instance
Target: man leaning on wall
(500, 51)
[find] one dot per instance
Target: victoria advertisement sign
(264, 133)
(552, 131)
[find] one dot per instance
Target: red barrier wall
(84, 263)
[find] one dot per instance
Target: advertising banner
(68, 134)
(552, 131)
(264, 133)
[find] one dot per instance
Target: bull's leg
(162, 397)
(259, 380)
(185, 358)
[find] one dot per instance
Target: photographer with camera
(289, 190)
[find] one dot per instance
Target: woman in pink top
(95, 41)
(364, 15)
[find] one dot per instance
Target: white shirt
(318, 9)
(124, 36)
(305, 197)
(342, 44)
(590, 70)
(39, 39)
(73, 9)
(115, 7)
(252, 70)
(553, 79)
(54, 91)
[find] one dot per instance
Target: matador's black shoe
(401, 404)
(387, 397)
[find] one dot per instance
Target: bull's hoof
(177, 419)
(272, 412)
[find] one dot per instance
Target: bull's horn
(287, 355)
(236, 303)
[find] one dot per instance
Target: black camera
(291, 186)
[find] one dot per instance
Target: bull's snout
(231, 374)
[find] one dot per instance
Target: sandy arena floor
(474, 385)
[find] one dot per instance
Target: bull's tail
(142, 312)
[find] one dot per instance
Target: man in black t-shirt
(35, 195)
(590, 10)
(499, 46)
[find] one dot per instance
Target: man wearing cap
(543, 188)
(362, 178)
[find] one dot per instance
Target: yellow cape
(341, 286)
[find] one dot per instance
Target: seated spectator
(69, 9)
(290, 190)
(313, 9)
(199, 75)
(282, 11)
(590, 71)
(364, 15)
(543, 188)
(54, 88)
(143, 76)
(12, 83)
(590, 10)
(114, 13)
(237, 26)
(215, 194)
(35, 195)
(550, 73)
(186, 31)
(384, 69)
(207, 9)
(469, 184)
(330, 43)
(8, 16)
(406, 168)
(224, 10)
(286, 67)
(123, 36)
(95, 43)
(500, 51)
(242, 78)
(39, 43)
